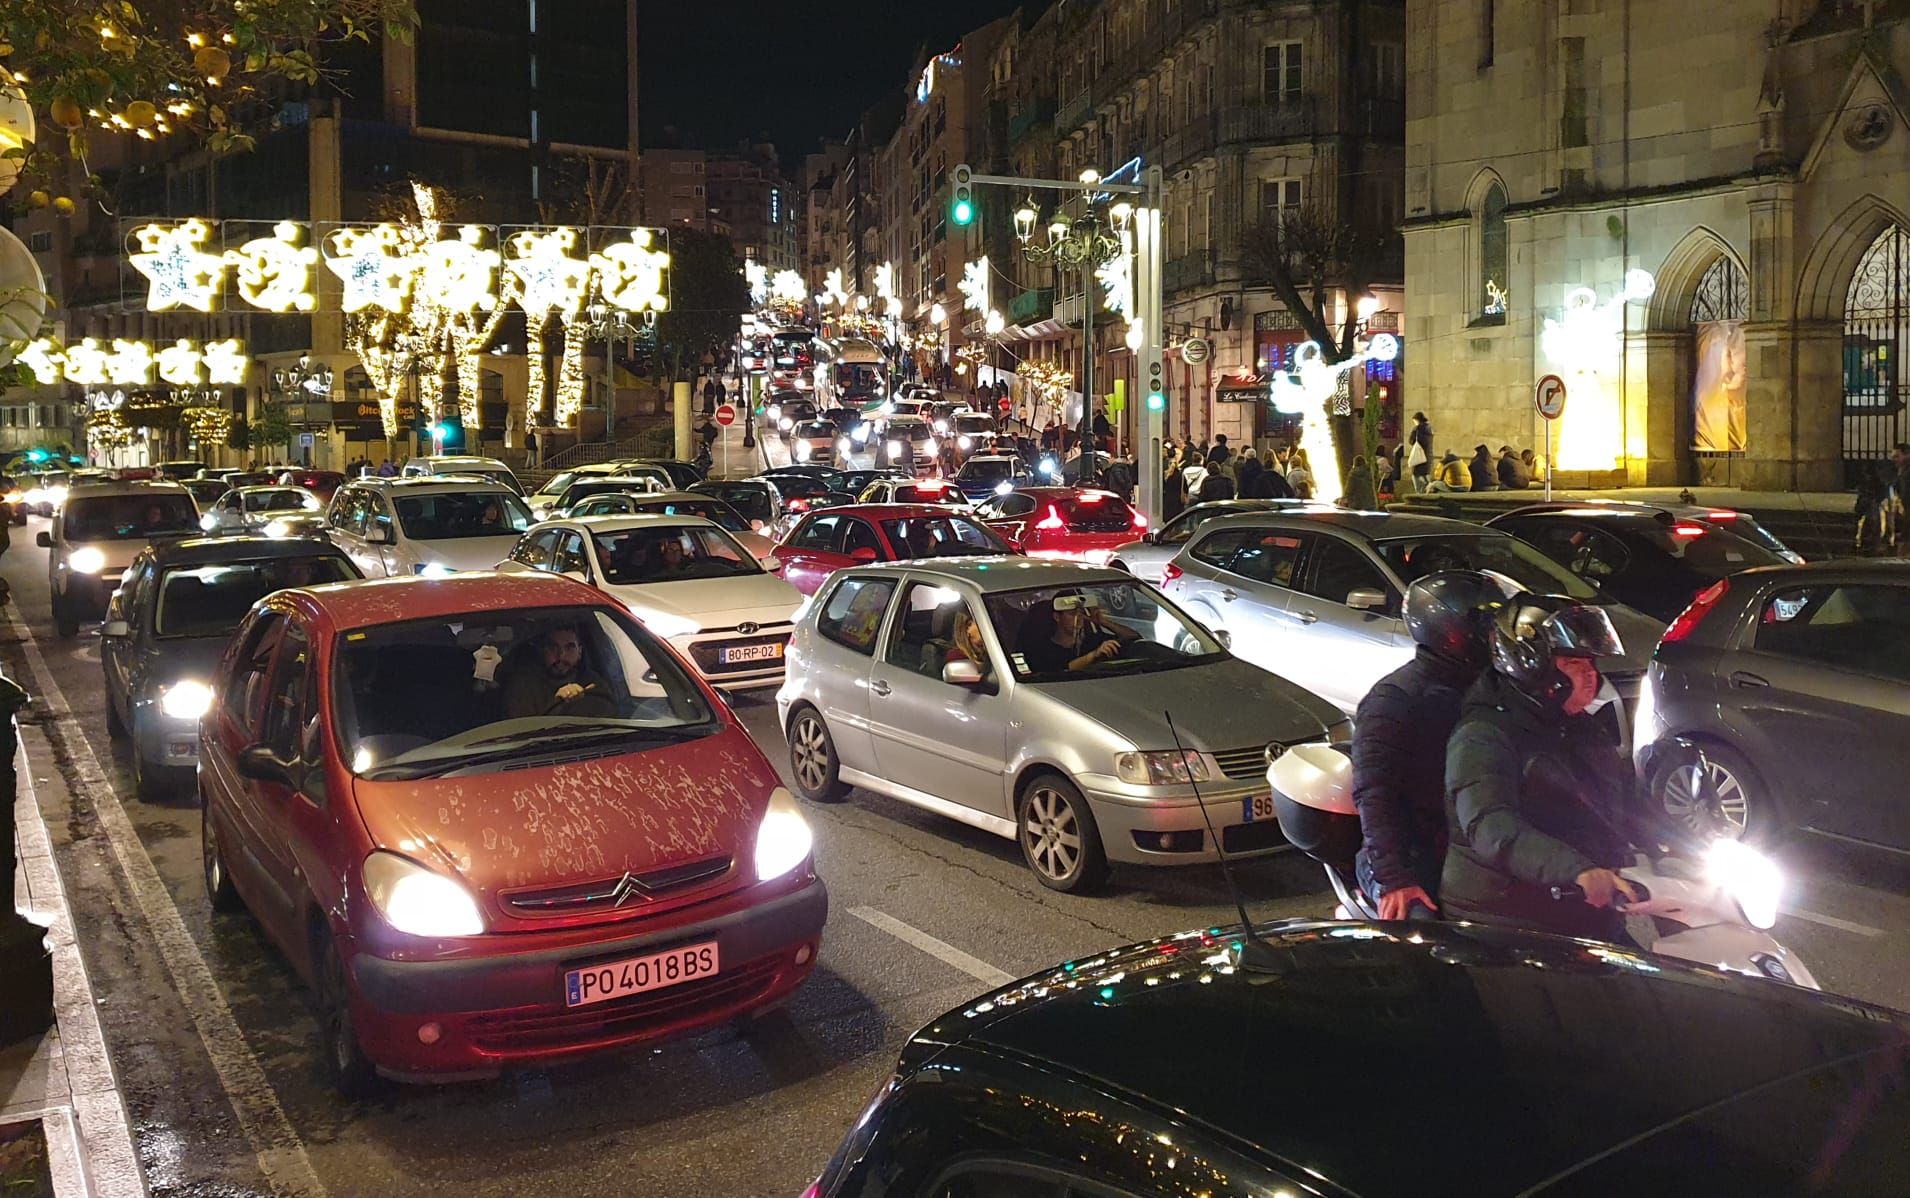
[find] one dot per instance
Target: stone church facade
(1695, 214)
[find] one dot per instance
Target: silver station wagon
(1033, 699)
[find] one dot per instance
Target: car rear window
(129, 517)
(456, 515)
(1096, 513)
(211, 599)
(1711, 551)
(911, 493)
(1850, 626)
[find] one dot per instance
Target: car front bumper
(1161, 825)
(162, 740)
(508, 1008)
(86, 595)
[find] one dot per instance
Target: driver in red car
(565, 685)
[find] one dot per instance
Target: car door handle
(1306, 617)
(879, 687)
(1229, 596)
(1748, 681)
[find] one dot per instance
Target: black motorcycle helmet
(1532, 630)
(1451, 613)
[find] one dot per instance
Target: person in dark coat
(1421, 460)
(1360, 496)
(1399, 739)
(1480, 470)
(1270, 483)
(1539, 795)
(1219, 453)
(1513, 474)
(1247, 473)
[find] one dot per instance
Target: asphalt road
(215, 1046)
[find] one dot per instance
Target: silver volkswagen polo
(1032, 699)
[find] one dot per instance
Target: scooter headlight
(1751, 879)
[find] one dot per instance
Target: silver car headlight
(86, 560)
(418, 902)
(783, 839)
(187, 699)
(1163, 767)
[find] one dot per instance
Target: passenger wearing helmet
(1400, 734)
(1537, 792)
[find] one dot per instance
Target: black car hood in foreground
(1463, 1060)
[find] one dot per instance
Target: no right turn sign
(1550, 396)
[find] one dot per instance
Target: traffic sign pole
(1549, 398)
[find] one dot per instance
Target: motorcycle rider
(1537, 791)
(1400, 733)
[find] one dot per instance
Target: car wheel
(1058, 836)
(115, 727)
(1714, 793)
(219, 889)
(64, 622)
(352, 1072)
(812, 759)
(152, 783)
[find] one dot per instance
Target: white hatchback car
(398, 527)
(686, 578)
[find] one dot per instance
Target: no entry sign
(725, 415)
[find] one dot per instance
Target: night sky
(720, 71)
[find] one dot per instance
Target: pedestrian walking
(386, 469)
(1300, 475)
(1900, 499)
(1219, 452)
(1873, 500)
(1360, 496)
(1419, 458)
(1385, 472)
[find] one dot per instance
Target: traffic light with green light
(961, 198)
(1156, 384)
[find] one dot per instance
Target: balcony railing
(1282, 121)
(1195, 269)
(1073, 112)
(1029, 118)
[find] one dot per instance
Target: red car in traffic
(494, 821)
(322, 483)
(856, 534)
(1084, 523)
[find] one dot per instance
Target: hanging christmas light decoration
(275, 273)
(130, 364)
(630, 273)
(178, 272)
(368, 262)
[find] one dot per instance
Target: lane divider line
(941, 950)
(1831, 921)
(281, 1153)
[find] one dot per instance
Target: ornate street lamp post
(1083, 243)
(602, 322)
(304, 382)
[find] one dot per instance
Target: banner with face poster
(1717, 396)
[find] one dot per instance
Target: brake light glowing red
(1688, 531)
(1722, 514)
(1089, 497)
(1169, 573)
(1694, 615)
(1052, 520)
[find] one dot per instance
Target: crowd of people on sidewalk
(1883, 506)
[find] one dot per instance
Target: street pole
(1150, 427)
(1087, 369)
(610, 393)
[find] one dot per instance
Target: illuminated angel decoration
(631, 275)
(458, 275)
(275, 273)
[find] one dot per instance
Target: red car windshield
(1095, 512)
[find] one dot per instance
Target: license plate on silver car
(772, 652)
(615, 979)
(1256, 807)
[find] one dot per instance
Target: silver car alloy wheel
(1707, 798)
(1052, 833)
(811, 752)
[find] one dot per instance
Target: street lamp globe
(937, 314)
(1368, 304)
(1025, 221)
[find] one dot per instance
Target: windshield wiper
(435, 766)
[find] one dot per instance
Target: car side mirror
(378, 534)
(582, 576)
(114, 629)
(771, 563)
(1152, 536)
(1225, 638)
(962, 672)
(261, 764)
(44, 540)
(860, 556)
(1366, 599)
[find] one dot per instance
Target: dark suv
(1780, 699)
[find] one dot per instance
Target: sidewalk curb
(89, 1140)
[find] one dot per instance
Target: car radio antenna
(1254, 953)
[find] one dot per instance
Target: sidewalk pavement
(64, 1079)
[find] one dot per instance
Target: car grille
(607, 894)
(708, 655)
(1250, 838)
(1250, 762)
(529, 1029)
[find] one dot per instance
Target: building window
(1488, 33)
(1281, 199)
(1494, 257)
(41, 242)
(1282, 69)
(1388, 65)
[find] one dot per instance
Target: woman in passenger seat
(967, 644)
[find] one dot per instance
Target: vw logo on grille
(627, 888)
(747, 627)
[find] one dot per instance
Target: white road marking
(941, 950)
(281, 1154)
(1831, 921)
(97, 1113)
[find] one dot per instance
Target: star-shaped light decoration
(44, 358)
(86, 363)
(757, 276)
(787, 287)
(178, 272)
(226, 363)
(974, 284)
(458, 276)
(1116, 276)
(553, 280)
(130, 364)
(630, 275)
(181, 364)
(275, 273)
(832, 290)
(367, 261)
